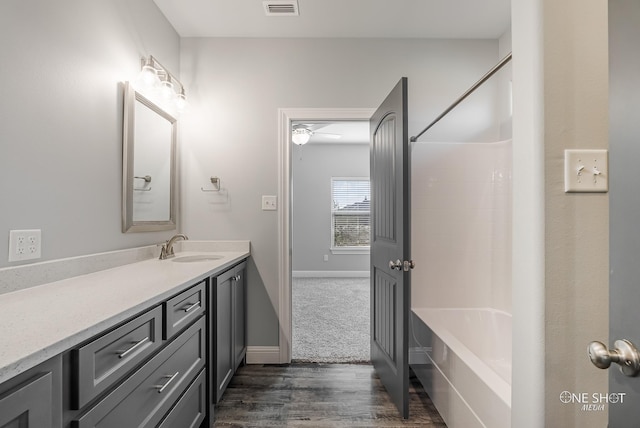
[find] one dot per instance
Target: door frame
(285, 117)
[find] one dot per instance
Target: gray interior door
(390, 286)
(624, 200)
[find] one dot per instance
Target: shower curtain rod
(475, 86)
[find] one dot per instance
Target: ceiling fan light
(300, 136)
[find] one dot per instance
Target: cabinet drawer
(183, 308)
(102, 362)
(145, 398)
(192, 407)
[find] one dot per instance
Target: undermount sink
(197, 258)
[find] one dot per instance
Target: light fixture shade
(166, 90)
(300, 136)
(148, 78)
(181, 102)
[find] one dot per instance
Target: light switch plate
(269, 203)
(586, 171)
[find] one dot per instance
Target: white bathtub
(463, 359)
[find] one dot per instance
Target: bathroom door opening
(330, 232)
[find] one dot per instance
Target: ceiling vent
(280, 7)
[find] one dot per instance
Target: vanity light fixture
(300, 136)
(166, 90)
(155, 79)
(181, 101)
(148, 77)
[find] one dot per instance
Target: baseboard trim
(330, 274)
(263, 355)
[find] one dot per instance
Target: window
(350, 214)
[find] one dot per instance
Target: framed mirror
(148, 165)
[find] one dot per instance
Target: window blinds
(350, 224)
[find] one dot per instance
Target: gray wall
(313, 165)
(236, 87)
(61, 117)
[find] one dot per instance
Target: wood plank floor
(317, 395)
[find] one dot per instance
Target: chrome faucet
(167, 248)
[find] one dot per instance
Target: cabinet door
(223, 332)
(239, 329)
(33, 399)
(29, 405)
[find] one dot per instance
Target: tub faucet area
(167, 248)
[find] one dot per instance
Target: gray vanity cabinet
(150, 392)
(148, 372)
(228, 326)
(164, 365)
(32, 399)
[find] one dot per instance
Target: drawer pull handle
(133, 348)
(237, 277)
(161, 388)
(195, 305)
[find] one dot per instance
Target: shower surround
(461, 286)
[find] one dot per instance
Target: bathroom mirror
(148, 165)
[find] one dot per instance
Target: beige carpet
(330, 320)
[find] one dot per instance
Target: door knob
(624, 354)
(408, 264)
(397, 265)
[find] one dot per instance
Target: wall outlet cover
(25, 244)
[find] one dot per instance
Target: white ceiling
(456, 19)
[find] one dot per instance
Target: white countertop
(40, 322)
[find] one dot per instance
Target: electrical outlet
(586, 171)
(25, 245)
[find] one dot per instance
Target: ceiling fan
(302, 132)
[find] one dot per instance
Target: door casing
(285, 118)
